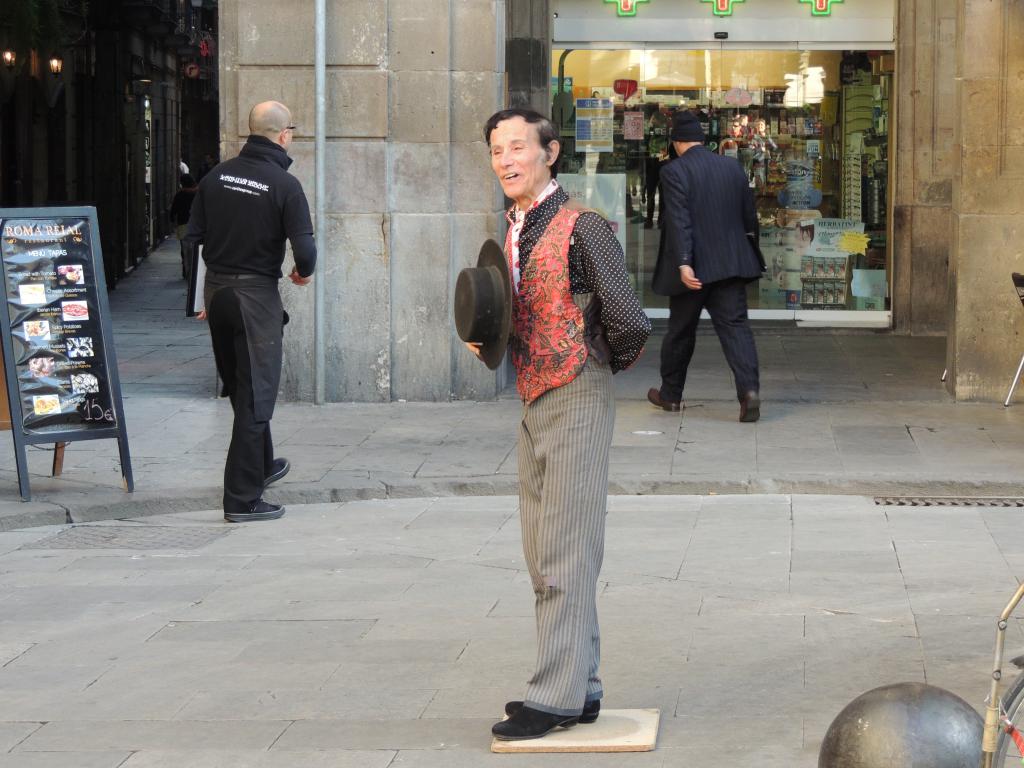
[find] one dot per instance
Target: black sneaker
(280, 469)
(259, 510)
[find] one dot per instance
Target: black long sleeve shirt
(246, 208)
(181, 205)
(596, 265)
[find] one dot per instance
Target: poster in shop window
(61, 370)
(595, 125)
(633, 126)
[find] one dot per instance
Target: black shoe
(280, 469)
(750, 407)
(655, 398)
(530, 723)
(258, 510)
(590, 710)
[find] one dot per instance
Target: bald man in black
(244, 211)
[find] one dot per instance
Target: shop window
(810, 128)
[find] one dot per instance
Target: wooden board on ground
(616, 730)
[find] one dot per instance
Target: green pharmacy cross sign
(821, 7)
(724, 7)
(627, 7)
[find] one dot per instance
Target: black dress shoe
(530, 723)
(590, 710)
(280, 469)
(258, 510)
(655, 398)
(750, 407)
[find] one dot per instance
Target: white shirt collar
(548, 191)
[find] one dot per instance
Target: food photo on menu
(36, 330)
(84, 384)
(45, 405)
(32, 293)
(70, 274)
(80, 346)
(41, 367)
(74, 311)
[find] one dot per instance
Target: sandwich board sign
(62, 382)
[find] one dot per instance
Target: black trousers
(652, 175)
(251, 453)
(726, 302)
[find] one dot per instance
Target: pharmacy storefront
(800, 92)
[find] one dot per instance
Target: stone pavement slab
(64, 759)
(756, 616)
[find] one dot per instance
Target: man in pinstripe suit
(575, 321)
(709, 253)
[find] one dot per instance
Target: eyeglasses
(289, 128)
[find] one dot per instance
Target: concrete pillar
(986, 320)
(409, 192)
(925, 121)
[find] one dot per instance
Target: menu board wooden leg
(58, 459)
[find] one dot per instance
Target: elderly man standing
(242, 215)
(575, 322)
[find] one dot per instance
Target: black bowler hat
(483, 304)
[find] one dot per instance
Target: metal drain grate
(130, 537)
(949, 501)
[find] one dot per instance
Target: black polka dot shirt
(596, 265)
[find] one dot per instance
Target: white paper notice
(870, 283)
(633, 126)
(197, 303)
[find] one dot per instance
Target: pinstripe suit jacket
(709, 209)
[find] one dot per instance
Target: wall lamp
(56, 65)
(9, 58)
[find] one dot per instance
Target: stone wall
(923, 173)
(985, 318)
(410, 194)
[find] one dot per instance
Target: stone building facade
(410, 194)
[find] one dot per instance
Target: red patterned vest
(547, 345)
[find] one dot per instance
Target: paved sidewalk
(388, 634)
(844, 412)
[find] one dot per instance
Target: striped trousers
(564, 440)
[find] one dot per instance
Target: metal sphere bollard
(904, 725)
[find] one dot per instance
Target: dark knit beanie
(686, 127)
